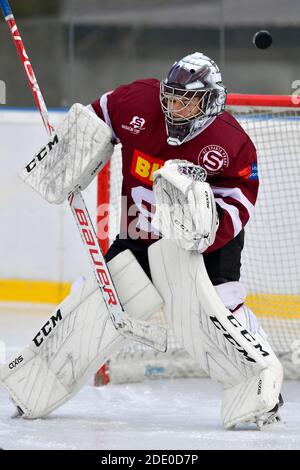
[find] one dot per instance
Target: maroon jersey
(223, 148)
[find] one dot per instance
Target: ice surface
(166, 414)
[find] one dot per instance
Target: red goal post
(271, 257)
(273, 101)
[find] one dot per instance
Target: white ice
(166, 414)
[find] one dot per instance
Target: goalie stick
(138, 330)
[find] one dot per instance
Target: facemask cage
(191, 94)
(192, 103)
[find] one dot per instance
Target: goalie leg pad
(221, 345)
(77, 338)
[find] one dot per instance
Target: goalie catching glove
(185, 205)
(73, 156)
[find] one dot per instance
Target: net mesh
(270, 259)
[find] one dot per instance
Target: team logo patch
(143, 166)
(136, 125)
(213, 158)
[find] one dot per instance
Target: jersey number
(145, 202)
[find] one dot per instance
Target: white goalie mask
(190, 96)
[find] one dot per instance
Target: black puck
(262, 39)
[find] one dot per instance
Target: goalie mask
(190, 96)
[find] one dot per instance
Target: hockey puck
(262, 39)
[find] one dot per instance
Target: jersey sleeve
(107, 106)
(236, 196)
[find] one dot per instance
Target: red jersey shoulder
(134, 108)
(234, 134)
(128, 98)
(231, 131)
(138, 92)
(230, 120)
(240, 140)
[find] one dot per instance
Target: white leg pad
(221, 345)
(76, 340)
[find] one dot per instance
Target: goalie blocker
(72, 157)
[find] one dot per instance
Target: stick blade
(144, 332)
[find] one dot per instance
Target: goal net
(270, 259)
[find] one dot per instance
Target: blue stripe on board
(32, 110)
(5, 8)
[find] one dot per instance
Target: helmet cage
(186, 98)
